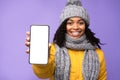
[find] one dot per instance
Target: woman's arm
(103, 72)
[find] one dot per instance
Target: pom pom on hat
(74, 8)
(74, 2)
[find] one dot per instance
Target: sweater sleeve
(103, 72)
(46, 70)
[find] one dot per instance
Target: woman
(75, 53)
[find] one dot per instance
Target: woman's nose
(76, 26)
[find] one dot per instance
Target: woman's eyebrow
(81, 20)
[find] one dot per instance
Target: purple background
(17, 15)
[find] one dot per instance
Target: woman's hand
(27, 41)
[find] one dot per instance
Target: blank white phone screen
(39, 40)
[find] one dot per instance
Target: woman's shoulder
(52, 48)
(52, 45)
(100, 51)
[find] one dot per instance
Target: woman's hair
(59, 37)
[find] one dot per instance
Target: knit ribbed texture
(91, 65)
(74, 8)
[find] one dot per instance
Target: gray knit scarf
(90, 65)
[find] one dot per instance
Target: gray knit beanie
(74, 8)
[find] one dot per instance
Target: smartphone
(39, 44)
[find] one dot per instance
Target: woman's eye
(69, 23)
(81, 23)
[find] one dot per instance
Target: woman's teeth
(75, 33)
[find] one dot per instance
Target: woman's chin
(75, 36)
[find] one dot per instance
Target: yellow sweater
(47, 71)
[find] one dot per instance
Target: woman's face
(75, 27)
